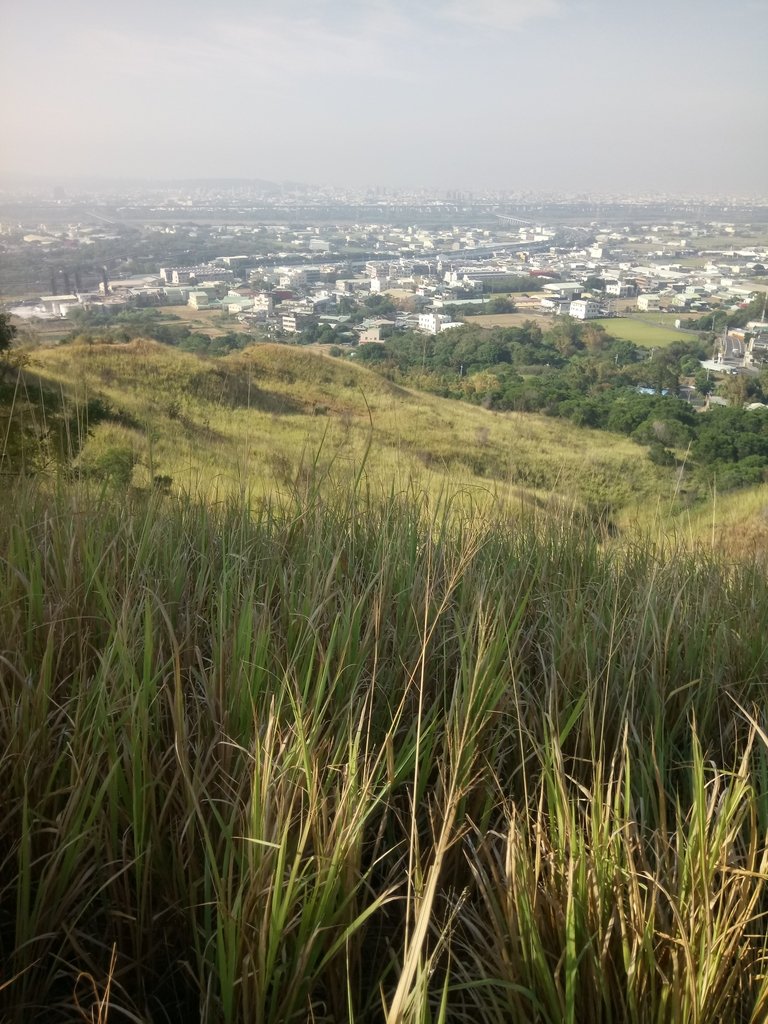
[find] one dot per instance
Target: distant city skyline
(535, 95)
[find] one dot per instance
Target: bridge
(507, 219)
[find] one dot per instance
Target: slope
(259, 418)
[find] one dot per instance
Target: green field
(656, 319)
(642, 333)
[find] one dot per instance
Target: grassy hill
(299, 722)
(260, 418)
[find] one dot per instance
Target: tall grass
(206, 423)
(371, 758)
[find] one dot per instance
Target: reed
(349, 756)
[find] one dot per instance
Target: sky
(524, 95)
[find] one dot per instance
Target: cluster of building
(607, 278)
(288, 278)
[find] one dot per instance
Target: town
(307, 267)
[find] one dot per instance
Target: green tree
(595, 337)
(736, 389)
(7, 332)
(501, 304)
(565, 335)
(704, 385)
(664, 370)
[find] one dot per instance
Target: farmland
(489, 320)
(642, 332)
(211, 322)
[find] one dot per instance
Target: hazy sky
(657, 95)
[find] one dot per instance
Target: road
(733, 349)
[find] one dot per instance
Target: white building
(564, 289)
(621, 289)
(434, 323)
(647, 303)
(235, 303)
(584, 309)
(176, 296)
(262, 303)
(373, 331)
(199, 273)
(58, 305)
(202, 298)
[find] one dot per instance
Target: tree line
(578, 371)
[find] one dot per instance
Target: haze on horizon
(493, 94)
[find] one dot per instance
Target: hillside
(254, 418)
(351, 753)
